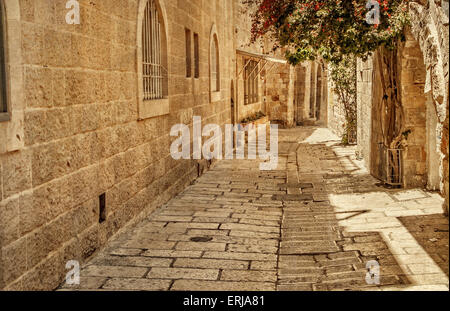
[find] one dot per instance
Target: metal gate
(391, 161)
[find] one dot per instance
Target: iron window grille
(154, 73)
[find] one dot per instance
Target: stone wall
(276, 89)
(412, 82)
(429, 32)
(283, 89)
(247, 110)
(336, 111)
(279, 94)
(302, 92)
(364, 73)
(430, 26)
(322, 103)
(242, 28)
(370, 136)
(75, 133)
(311, 94)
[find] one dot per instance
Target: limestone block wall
(412, 82)
(267, 80)
(429, 27)
(276, 87)
(365, 73)
(322, 97)
(279, 94)
(311, 94)
(336, 112)
(242, 37)
(77, 134)
(247, 110)
(302, 91)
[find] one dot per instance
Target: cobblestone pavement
(312, 224)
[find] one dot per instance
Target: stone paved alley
(312, 224)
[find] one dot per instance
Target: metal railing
(391, 161)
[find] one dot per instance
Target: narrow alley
(312, 224)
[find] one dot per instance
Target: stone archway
(426, 51)
(429, 26)
(418, 158)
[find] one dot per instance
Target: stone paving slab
(311, 224)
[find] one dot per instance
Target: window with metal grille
(154, 73)
(188, 54)
(251, 85)
(196, 56)
(215, 72)
(3, 93)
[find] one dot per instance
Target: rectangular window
(251, 84)
(3, 97)
(102, 209)
(196, 56)
(188, 54)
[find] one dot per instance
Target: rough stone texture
(279, 98)
(412, 77)
(336, 111)
(279, 84)
(302, 92)
(319, 244)
(424, 64)
(80, 136)
(76, 133)
(364, 111)
(312, 94)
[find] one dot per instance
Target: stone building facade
(423, 69)
(336, 112)
(284, 91)
(83, 153)
(85, 135)
(87, 110)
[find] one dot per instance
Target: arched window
(215, 68)
(152, 60)
(4, 116)
(154, 73)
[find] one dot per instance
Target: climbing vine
(330, 29)
(334, 30)
(343, 76)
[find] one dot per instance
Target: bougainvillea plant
(330, 29)
(335, 30)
